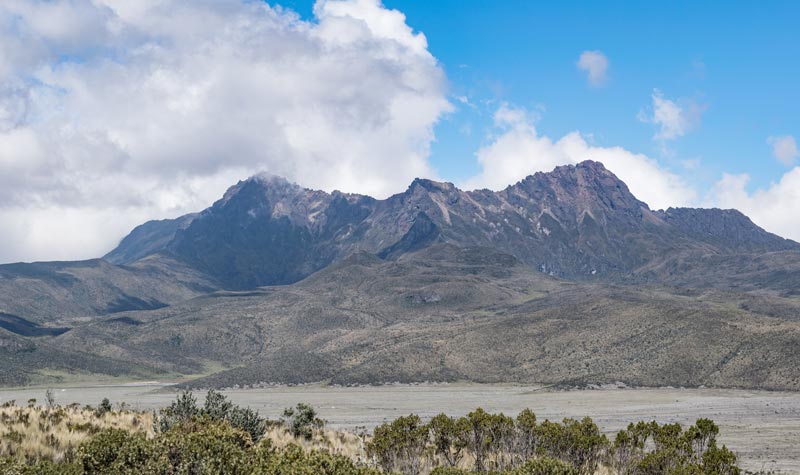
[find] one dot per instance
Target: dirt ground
(762, 427)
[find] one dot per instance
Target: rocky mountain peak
(578, 221)
(431, 185)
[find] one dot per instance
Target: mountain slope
(148, 238)
(45, 292)
(447, 313)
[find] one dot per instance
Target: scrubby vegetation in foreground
(222, 438)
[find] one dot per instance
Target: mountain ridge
(574, 222)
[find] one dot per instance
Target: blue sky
(739, 60)
(113, 113)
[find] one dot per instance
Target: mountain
(47, 291)
(577, 222)
(563, 277)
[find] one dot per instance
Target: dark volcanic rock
(577, 222)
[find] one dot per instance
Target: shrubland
(219, 437)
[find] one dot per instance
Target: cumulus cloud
(595, 64)
(784, 148)
(773, 208)
(113, 111)
(672, 119)
(518, 150)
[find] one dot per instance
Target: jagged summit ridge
(577, 222)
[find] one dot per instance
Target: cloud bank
(774, 207)
(114, 111)
(518, 150)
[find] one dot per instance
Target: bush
(545, 466)
(207, 447)
(294, 461)
(450, 471)
(182, 410)
(301, 420)
(652, 449)
(45, 467)
(399, 445)
(450, 437)
(216, 408)
(579, 443)
(103, 408)
(116, 451)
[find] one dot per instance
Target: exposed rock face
(576, 222)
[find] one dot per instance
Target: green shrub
(207, 447)
(44, 467)
(103, 408)
(216, 408)
(116, 451)
(181, 411)
(579, 443)
(450, 471)
(301, 420)
(450, 437)
(399, 445)
(544, 466)
(294, 461)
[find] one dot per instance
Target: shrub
(294, 461)
(544, 466)
(44, 467)
(652, 449)
(216, 408)
(450, 471)
(207, 447)
(450, 438)
(116, 451)
(180, 411)
(399, 445)
(527, 435)
(579, 443)
(50, 398)
(104, 408)
(301, 420)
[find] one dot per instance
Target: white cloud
(774, 208)
(784, 148)
(519, 151)
(595, 64)
(151, 108)
(672, 119)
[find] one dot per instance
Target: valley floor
(762, 427)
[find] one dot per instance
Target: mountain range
(564, 277)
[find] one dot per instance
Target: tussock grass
(347, 444)
(42, 433)
(45, 433)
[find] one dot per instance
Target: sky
(114, 112)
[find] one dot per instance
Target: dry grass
(347, 444)
(40, 433)
(36, 432)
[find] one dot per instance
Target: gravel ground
(762, 427)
